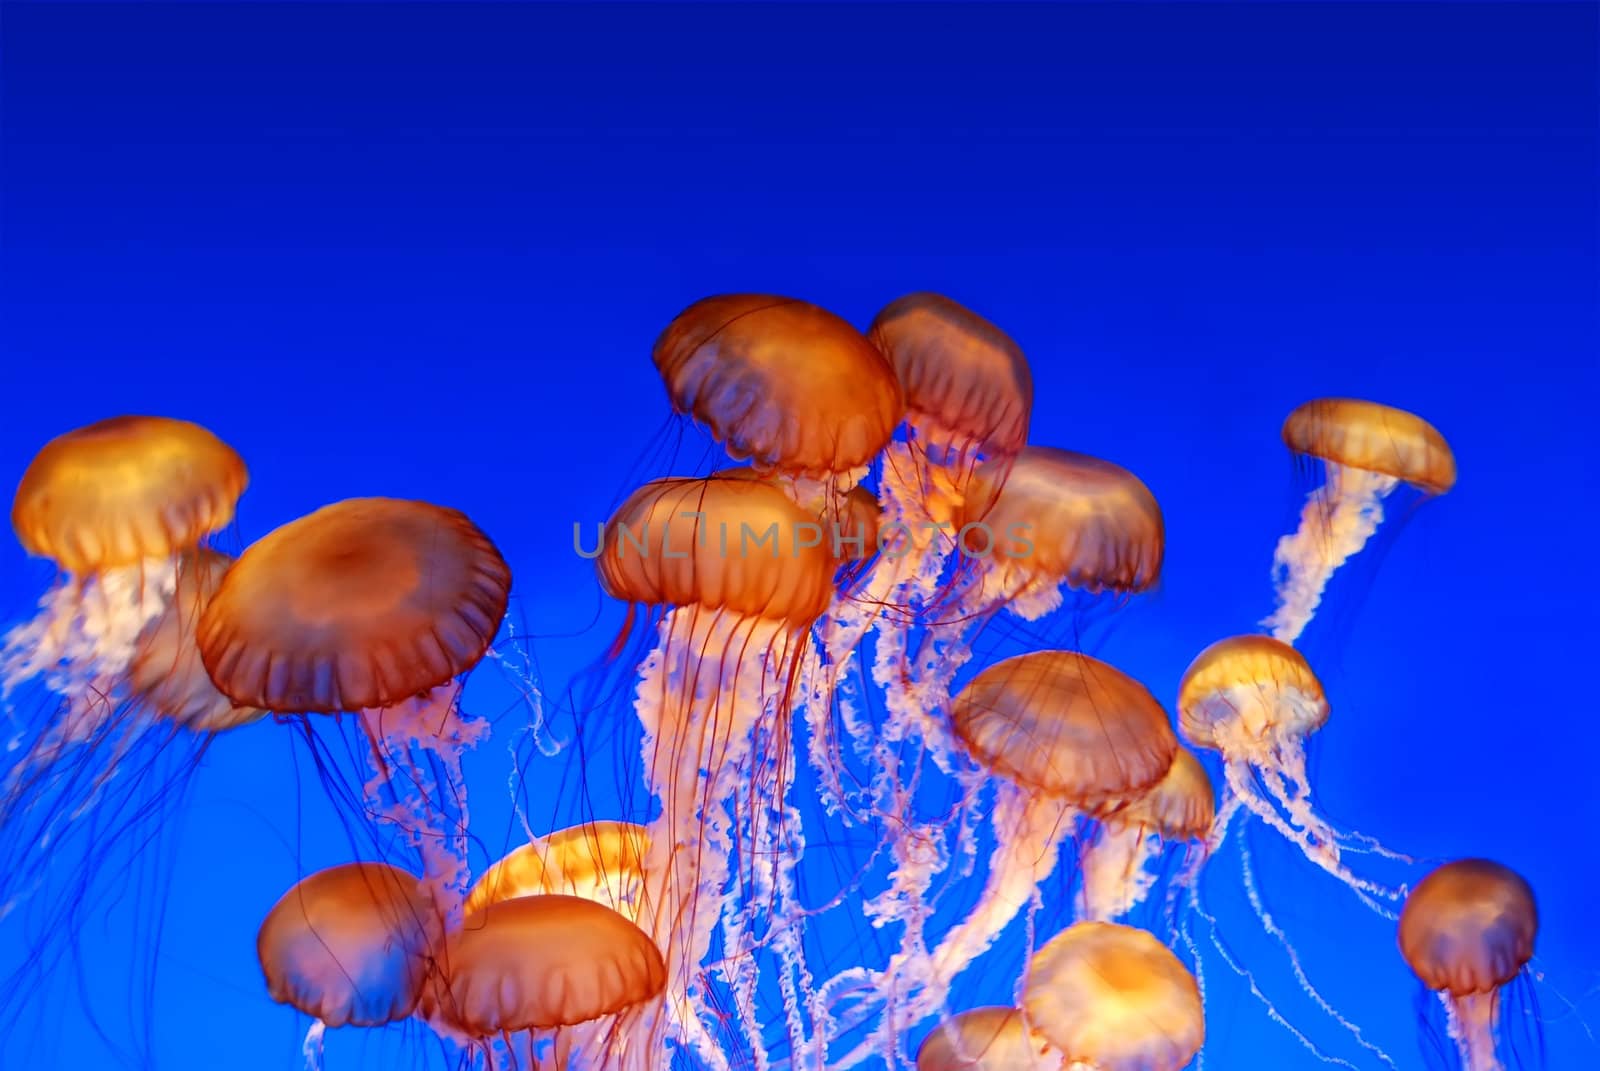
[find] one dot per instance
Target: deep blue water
(423, 251)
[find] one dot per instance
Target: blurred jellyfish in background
(1467, 931)
(539, 967)
(986, 1039)
(1059, 735)
(97, 764)
(375, 607)
(351, 945)
(1113, 998)
(1366, 450)
(1121, 862)
(715, 699)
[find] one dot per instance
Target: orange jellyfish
(986, 1039)
(786, 384)
(1366, 450)
(121, 507)
(374, 606)
(1112, 998)
(1060, 735)
(1117, 865)
(351, 945)
(740, 590)
(1467, 930)
(599, 861)
(542, 966)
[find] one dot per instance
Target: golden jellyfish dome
(361, 604)
(1244, 674)
(849, 520)
(1180, 806)
(121, 490)
(350, 945)
(1066, 724)
(1114, 998)
(965, 380)
(1374, 438)
(166, 675)
(782, 382)
(984, 1039)
(1070, 517)
(593, 861)
(1469, 927)
(541, 962)
(739, 545)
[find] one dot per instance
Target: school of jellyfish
(834, 803)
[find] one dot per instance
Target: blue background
(423, 251)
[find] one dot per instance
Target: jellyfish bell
(1366, 450)
(1113, 998)
(782, 382)
(600, 861)
(544, 965)
(373, 606)
(350, 945)
(1467, 931)
(1118, 864)
(986, 1039)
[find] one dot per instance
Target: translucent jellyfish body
(1118, 864)
(375, 606)
(1112, 998)
(740, 592)
(986, 1039)
(540, 965)
(1366, 450)
(599, 861)
(1467, 930)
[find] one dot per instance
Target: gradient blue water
(423, 251)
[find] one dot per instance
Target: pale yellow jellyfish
(1367, 450)
(376, 606)
(986, 1039)
(1467, 930)
(349, 945)
(741, 589)
(542, 965)
(599, 861)
(1116, 865)
(1112, 998)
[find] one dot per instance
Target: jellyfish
(94, 771)
(986, 1039)
(600, 861)
(740, 591)
(786, 384)
(1113, 998)
(1467, 931)
(351, 945)
(1256, 700)
(1366, 450)
(1117, 865)
(543, 965)
(373, 606)
(1060, 735)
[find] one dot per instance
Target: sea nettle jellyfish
(714, 698)
(1060, 735)
(986, 1039)
(1120, 864)
(1112, 998)
(1467, 930)
(538, 966)
(373, 606)
(121, 507)
(1366, 450)
(351, 945)
(599, 861)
